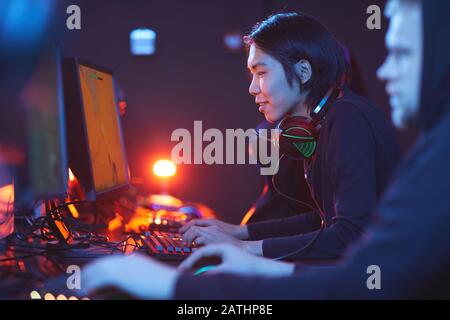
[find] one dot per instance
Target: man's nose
(383, 71)
(254, 88)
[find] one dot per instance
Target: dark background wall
(192, 77)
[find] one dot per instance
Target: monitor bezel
(62, 132)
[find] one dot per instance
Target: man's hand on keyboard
(200, 236)
(235, 231)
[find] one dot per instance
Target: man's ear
(303, 70)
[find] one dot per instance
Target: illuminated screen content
(109, 168)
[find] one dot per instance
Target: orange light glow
(164, 168)
(7, 198)
(71, 176)
(62, 229)
(49, 296)
(73, 211)
(6, 210)
(141, 218)
(248, 215)
(34, 295)
(165, 200)
(252, 210)
(115, 223)
(130, 246)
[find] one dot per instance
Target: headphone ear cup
(298, 138)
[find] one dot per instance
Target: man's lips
(262, 106)
(390, 91)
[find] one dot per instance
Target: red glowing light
(164, 168)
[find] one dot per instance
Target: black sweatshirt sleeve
(350, 162)
(301, 223)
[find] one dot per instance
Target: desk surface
(33, 266)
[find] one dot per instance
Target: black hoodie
(411, 241)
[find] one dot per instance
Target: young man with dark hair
(295, 61)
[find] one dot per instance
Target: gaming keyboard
(166, 246)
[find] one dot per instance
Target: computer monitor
(95, 142)
(43, 101)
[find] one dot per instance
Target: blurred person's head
(402, 69)
(26, 26)
(294, 60)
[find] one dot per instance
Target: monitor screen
(108, 161)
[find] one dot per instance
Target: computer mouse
(204, 269)
(206, 264)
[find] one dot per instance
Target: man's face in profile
(402, 69)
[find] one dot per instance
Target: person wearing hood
(405, 254)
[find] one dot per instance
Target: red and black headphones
(298, 140)
(299, 135)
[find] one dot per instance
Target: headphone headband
(321, 109)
